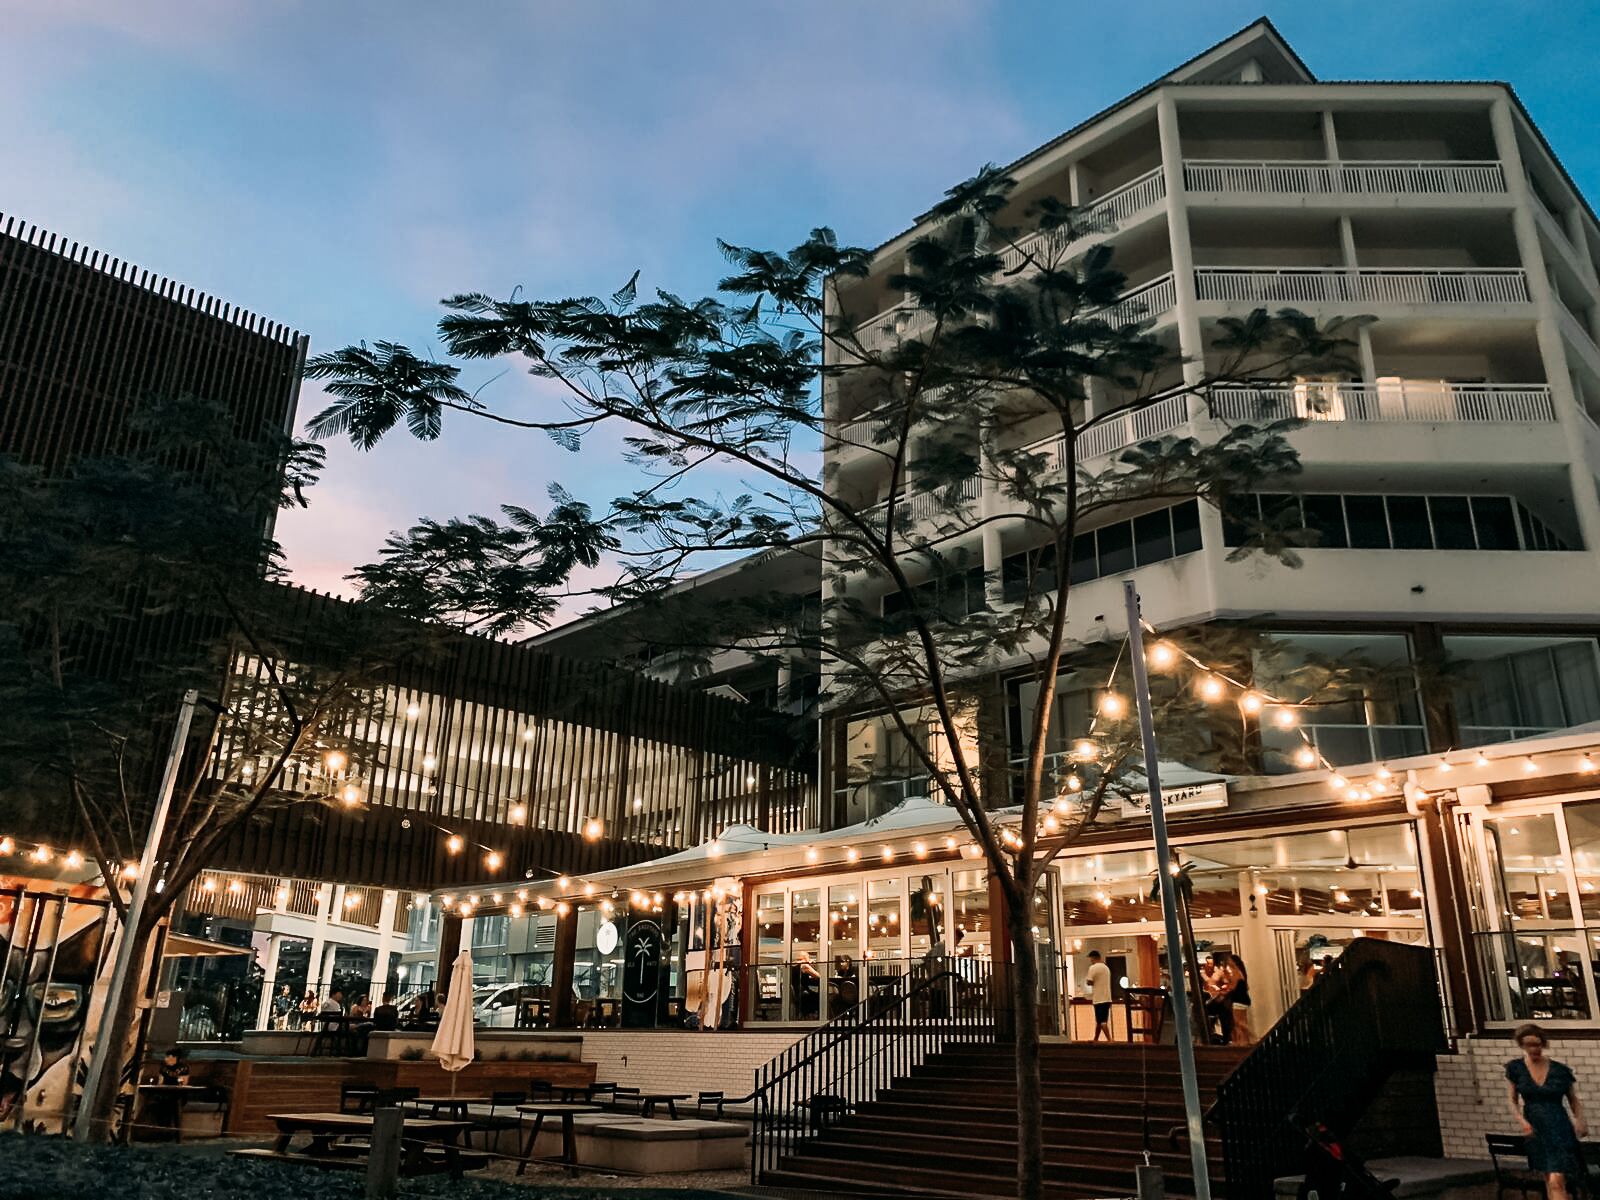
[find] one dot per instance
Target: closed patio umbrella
(453, 1043)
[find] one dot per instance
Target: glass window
(970, 929)
(844, 920)
(929, 909)
(1085, 563)
(1368, 523)
(1186, 528)
(1377, 716)
(1583, 837)
(1452, 522)
(885, 918)
(1495, 522)
(1514, 687)
(1525, 853)
(1152, 537)
(1408, 523)
(1116, 548)
(1324, 516)
(805, 952)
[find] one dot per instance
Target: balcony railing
(1127, 430)
(1362, 178)
(1143, 303)
(1368, 285)
(1415, 400)
(922, 506)
(1104, 214)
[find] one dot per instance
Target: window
(952, 596)
(1400, 522)
(1375, 716)
(1114, 549)
(1515, 687)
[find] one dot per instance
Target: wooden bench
(429, 1146)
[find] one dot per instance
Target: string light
(563, 882)
(1162, 655)
(1286, 718)
(1085, 751)
(1384, 773)
(1586, 764)
(1444, 764)
(852, 854)
(887, 854)
(1338, 782)
(527, 735)
(130, 870)
(208, 885)
(592, 829)
(1212, 689)
(351, 900)
(351, 794)
(1250, 703)
(453, 843)
(519, 812)
(714, 848)
(74, 860)
(1480, 759)
(492, 860)
(41, 854)
(920, 849)
(429, 762)
(1074, 784)
(1305, 757)
(811, 854)
(281, 895)
(413, 711)
(7, 846)
(1529, 765)
(235, 887)
(516, 910)
(1112, 706)
(950, 843)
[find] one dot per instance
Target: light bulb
(563, 882)
(1384, 773)
(527, 735)
(210, 885)
(41, 854)
(1444, 764)
(852, 854)
(1305, 757)
(811, 854)
(1529, 765)
(592, 829)
(714, 848)
(1085, 751)
(130, 870)
(1250, 703)
(1212, 689)
(7, 846)
(492, 860)
(1112, 706)
(1338, 782)
(588, 889)
(413, 711)
(1286, 718)
(74, 860)
(887, 853)
(453, 843)
(519, 812)
(1586, 764)
(351, 794)
(1480, 759)
(920, 849)
(335, 760)
(281, 895)
(235, 887)
(1162, 655)
(516, 910)
(429, 762)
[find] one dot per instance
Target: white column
(785, 681)
(269, 982)
(319, 935)
(1573, 219)
(1330, 139)
(1552, 347)
(380, 961)
(1347, 250)
(1189, 337)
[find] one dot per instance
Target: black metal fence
(865, 1049)
(1375, 1010)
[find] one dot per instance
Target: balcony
(1361, 178)
(1367, 285)
(1105, 215)
(1400, 401)
(1123, 431)
(921, 506)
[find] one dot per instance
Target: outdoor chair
(1145, 1010)
(502, 1114)
(394, 1097)
(627, 1097)
(541, 1091)
(1513, 1178)
(715, 1099)
(357, 1097)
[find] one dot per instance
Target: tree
(1008, 327)
(135, 576)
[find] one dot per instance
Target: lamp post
(1176, 950)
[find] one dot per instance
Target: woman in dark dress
(1541, 1090)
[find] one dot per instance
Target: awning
(182, 945)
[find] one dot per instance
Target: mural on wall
(719, 1008)
(52, 988)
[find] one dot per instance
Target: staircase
(948, 1126)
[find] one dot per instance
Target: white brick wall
(683, 1061)
(1471, 1088)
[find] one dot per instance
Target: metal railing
(1143, 303)
(1407, 177)
(1403, 400)
(917, 507)
(1102, 215)
(1535, 974)
(827, 1073)
(1375, 1009)
(1152, 421)
(1367, 285)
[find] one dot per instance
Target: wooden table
(179, 1093)
(572, 1093)
(649, 1100)
(419, 1137)
(453, 1104)
(569, 1140)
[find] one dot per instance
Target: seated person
(165, 1110)
(386, 1017)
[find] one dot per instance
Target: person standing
(1242, 1034)
(1540, 1091)
(1219, 983)
(1097, 984)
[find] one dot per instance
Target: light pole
(104, 1052)
(1177, 967)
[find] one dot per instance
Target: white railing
(1103, 215)
(1143, 303)
(859, 432)
(922, 506)
(1365, 178)
(892, 325)
(1123, 431)
(1424, 400)
(1369, 285)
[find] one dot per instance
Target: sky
(339, 167)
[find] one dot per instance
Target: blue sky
(339, 167)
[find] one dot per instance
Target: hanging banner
(642, 963)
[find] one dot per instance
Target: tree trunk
(1030, 1090)
(116, 1027)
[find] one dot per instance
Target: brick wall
(683, 1061)
(1471, 1088)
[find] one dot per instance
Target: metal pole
(104, 1052)
(1176, 951)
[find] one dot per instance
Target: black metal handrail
(1375, 1009)
(865, 1049)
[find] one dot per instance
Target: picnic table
(428, 1144)
(649, 1100)
(569, 1139)
(453, 1104)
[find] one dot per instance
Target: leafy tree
(1015, 363)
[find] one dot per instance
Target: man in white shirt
(334, 1003)
(1097, 983)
